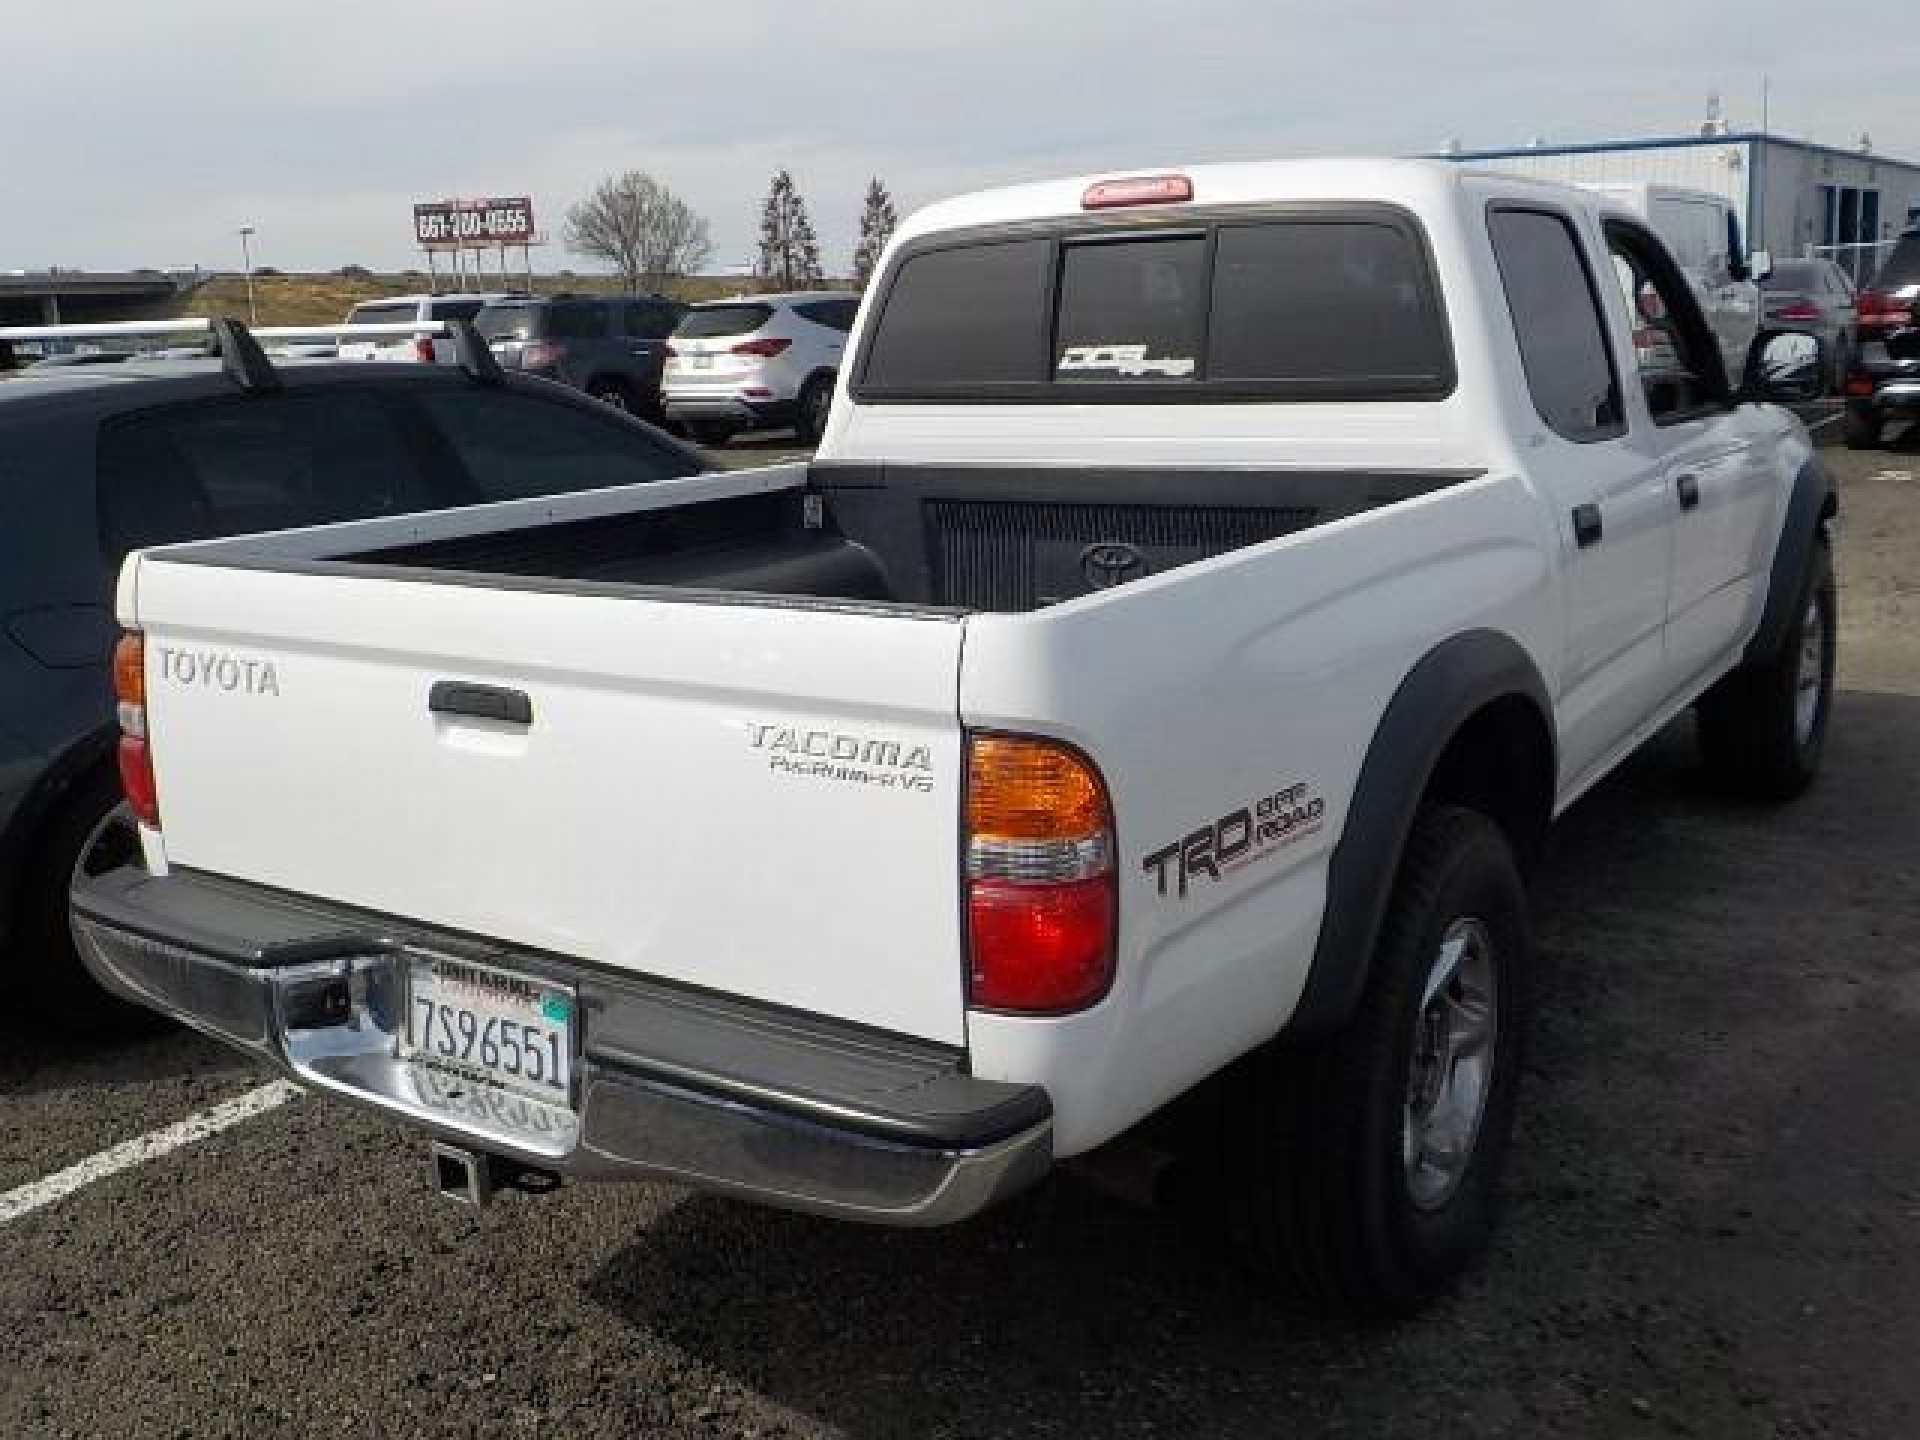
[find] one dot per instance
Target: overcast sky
(143, 132)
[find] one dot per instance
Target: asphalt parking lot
(1713, 1226)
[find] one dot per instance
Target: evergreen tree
(877, 220)
(789, 252)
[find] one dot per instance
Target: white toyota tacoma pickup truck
(1209, 587)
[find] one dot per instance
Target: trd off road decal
(1247, 836)
(1128, 361)
(836, 755)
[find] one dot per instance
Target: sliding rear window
(1303, 306)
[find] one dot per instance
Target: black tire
(709, 432)
(1327, 1200)
(90, 827)
(1756, 740)
(812, 408)
(1861, 431)
(617, 393)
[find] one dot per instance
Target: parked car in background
(1814, 297)
(409, 309)
(611, 346)
(81, 357)
(1702, 232)
(103, 460)
(1883, 376)
(758, 362)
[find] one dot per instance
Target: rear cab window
(1313, 304)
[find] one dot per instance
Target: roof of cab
(1416, 184)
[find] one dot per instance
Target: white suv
(757, 362)
(406, 310)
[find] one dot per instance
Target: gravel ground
(1713, 1229)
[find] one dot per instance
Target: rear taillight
(765, 349)
(1877, 310)
(135, 755)
(542, 353)
(1798, 310)
(423, 350)
(1041, 908)
(1858, 383)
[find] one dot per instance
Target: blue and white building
(1798, 198)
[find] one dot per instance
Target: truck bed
(999, 539)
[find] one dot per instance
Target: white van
(1703, 232)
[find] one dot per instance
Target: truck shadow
(1068, 1312)
(36, 1059)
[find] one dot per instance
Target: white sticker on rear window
(1128, 361)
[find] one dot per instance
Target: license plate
(510, 1030)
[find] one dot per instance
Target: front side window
(1557, 323)
(1679, 367)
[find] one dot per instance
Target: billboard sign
(471, 224)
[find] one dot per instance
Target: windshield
(507, 322)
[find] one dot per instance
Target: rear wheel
(1861, 430)
(613, 392)
(1367, 1166)
(815, 403)
(92, 833)
(1762, 729)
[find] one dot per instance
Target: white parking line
(1823, 423)
(30, 1197)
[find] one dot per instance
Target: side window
(262, 463)
(648, 320)
(834, 314)
(515, 446)
(578, 322)
(1676, 369)
(1557, 323)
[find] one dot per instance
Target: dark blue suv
(99, 461)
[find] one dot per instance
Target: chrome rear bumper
(736, 1098)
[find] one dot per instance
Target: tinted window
(384, 314)
(1803, 276)
(1334, 302)
(1131, 311)
(515, 445)
(509, 322)
(711, 322)
(578, 322)
(456, 309)
(649, 319)
(1556, 320)
(967, 316)
(834, 314)
(234, 466)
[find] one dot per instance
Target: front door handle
(1587, 525)
(1688, 487)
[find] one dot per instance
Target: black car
(1883, 375)
(98, 461)
(611, 346)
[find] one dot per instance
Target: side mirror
(1760, 263)
(1786, 369)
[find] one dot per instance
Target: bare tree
(789, 253)
(641, 228)
(877, 220)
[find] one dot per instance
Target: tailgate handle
(480, 702)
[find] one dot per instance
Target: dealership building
(1798, 198)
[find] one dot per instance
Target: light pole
(246, 255)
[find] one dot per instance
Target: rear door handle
(1587, 525)
(480, 702)
(1688, 487)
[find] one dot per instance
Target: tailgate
(755, 799)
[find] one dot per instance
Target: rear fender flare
(1449, 685)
